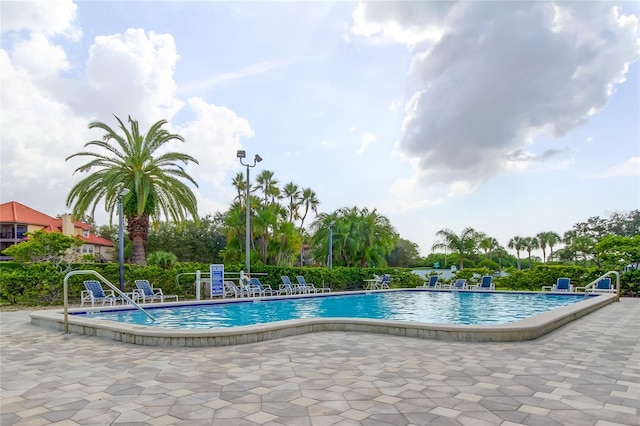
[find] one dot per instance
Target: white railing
(589, 287)
(104, 280)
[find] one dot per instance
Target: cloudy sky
(510, 117)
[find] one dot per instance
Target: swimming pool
(141, 334)
(465, 308)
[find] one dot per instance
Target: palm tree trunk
(138, 227)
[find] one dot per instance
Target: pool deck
(584, 373)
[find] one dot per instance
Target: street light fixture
(122, 193)
(241, 154)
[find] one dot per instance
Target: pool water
(414, 306)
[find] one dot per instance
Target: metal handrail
(104, 280)
(594, 282)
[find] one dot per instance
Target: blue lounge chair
(459, 284)
(603, 285)
(384, 281)
(287, 287)
(433, 282)
(95, 293)
(260, 289)
(307, 287)
(150, 294)
(485, 284)
(562, 284)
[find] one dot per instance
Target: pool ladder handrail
(594, 282)
(104, 280)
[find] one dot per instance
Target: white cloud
(412, 23)
(631, 168)
(500, 74)
(213, 139)
(131, 74)
(49, 17)
(45, 116)
(366, 139)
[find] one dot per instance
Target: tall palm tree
(291, 191)
(552, 240)
(268, 185)
(548, 238)
(310, 202)
(463, 244)
(488, 245)
(530, 244)
(240, 184)
(517, 243)
(132, 160)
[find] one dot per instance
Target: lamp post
(241, 154)
(122, 193)
(331, 244)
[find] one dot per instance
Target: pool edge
(526, 329)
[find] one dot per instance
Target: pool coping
(526, 329)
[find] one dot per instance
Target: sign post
(217, 280)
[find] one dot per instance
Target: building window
(20, 231)
(85, 233)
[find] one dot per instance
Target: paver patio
(585, 373)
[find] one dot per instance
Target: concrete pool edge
(527, 329)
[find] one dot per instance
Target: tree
(135, 161)
(404, 254)
(530, 244)
(360, 237)
(310, 202)
(548, 238)
(292, 193)
(517, 243)
(618, 252)
(464, 244)
(41, 246)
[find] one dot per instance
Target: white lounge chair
(308, 287)
(485, 284)
(561, 285)
(459, 284)
(95, 293)
(603, 285)
(150, 294)
(432, 283)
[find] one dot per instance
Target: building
(17, 219)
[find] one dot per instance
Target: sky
(512, 118)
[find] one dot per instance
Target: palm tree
(131, 161)
(548, 238)
(310, 202)
(292, 193)
(530, 244)
(463, 244)
(516, 243)
(488, 245)
(240, 184)
(268, 185)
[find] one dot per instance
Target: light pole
(331, 244)
(122, 193)
(241, 154)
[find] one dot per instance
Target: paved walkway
(586, 373)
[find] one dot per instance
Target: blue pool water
(415, 306)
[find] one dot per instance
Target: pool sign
(217, 280)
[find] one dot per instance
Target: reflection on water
(426, 306)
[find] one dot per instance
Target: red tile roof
(14, 212)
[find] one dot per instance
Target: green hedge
(42, 283)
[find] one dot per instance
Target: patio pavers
(585, 373)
